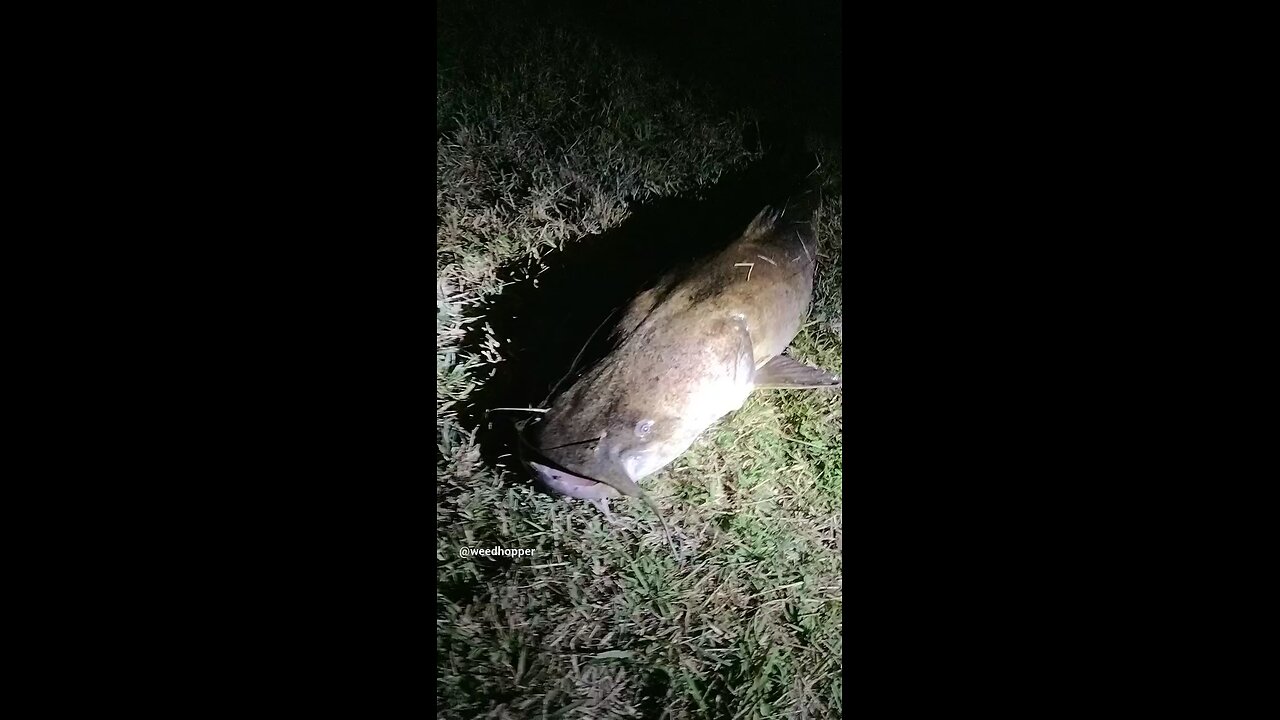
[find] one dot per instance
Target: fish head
(575, 454)
(644, 404)
(638, 444)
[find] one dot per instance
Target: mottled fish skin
(686, 354)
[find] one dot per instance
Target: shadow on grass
(543, 321)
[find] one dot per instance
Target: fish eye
(644, 427)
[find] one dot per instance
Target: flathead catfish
(687, 352)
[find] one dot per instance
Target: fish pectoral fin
(784, 372)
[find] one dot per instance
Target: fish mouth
(563, 481)
(560, 479)
(572, 484)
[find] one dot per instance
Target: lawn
(547, 139)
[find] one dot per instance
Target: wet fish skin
(688, 351)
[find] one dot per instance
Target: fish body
(687, 352)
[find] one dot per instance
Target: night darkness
(782, 59)
(586, 149)
(776, 61)
(247, 198)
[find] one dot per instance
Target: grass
(546, 137)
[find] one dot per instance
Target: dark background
(778, 60)
(781, 58)
(1016, 341)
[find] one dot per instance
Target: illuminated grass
(547, 137)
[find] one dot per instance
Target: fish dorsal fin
(763, 222)
(784, 372)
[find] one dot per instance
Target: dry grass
(546, 137)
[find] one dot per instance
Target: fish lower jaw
(572, 485)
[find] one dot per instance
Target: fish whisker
(574, 364)
(580, 442)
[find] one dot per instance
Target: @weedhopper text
(494, 552)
